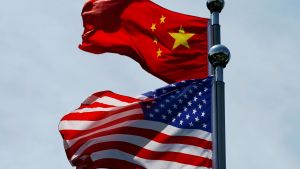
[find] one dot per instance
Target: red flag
(169, 45)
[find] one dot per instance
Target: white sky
(44, 75)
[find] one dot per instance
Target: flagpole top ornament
(215, 5)
(219, 55)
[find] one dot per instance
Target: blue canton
(185, 104)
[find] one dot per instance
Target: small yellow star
(153, 27)
(155, 40)
(181, 38)
(162, 19)
(158, 52)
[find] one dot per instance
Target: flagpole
(219, 56)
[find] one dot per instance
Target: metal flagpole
(218, 56)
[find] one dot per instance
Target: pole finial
(215, 5)
(219, 55)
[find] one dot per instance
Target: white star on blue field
(44, 76)
(188, 106)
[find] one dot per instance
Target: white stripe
(86, 125)
(112, 101)
(146, 144)
(90, 99)
(141, 97)
(87, 110)
(152, 125)
(157, 164)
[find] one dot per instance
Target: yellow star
(181, 38)
(155, 40)
(162, 19)
(153, 27)
(158, 52)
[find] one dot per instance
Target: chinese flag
(172, 46)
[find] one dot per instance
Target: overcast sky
(44, 76)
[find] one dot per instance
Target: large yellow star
(181, 38)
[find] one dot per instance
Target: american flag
(166, 128)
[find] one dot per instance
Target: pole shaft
(219, 155)
(219, 119)
(216, 31)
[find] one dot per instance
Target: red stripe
(150, 155)
(94, 105)
(116, 96)
(95, 96)
(97, 115)
(146, 133)
(115, 164)
(71, 134)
